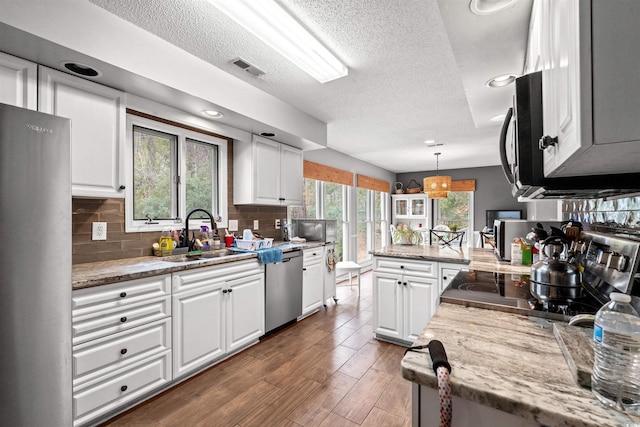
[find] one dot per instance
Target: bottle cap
(619, 297)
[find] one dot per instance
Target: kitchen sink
(205, 255)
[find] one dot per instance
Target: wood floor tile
(361, 399)
(326, 370)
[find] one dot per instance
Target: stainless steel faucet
(185, 241)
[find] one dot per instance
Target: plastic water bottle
(616, 371)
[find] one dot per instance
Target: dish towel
(270, 255)
(266, 256)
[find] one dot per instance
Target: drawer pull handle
(123, 294)
(124, 388)
(123, 319)
(123, 351)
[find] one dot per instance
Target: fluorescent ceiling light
(273, 25)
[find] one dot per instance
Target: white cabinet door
(312, 285)
(244, 307)
(18, 82)
(97, 116)
(562, 81)
(388, 305)
(447, 273)
(266, 172)
(533, 60)
(198, 327)
(420, 298)
(291, 181)
(267, 169)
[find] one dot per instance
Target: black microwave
(522, 158)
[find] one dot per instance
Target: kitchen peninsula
(507, 369)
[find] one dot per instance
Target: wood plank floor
(325, 370)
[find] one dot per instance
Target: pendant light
(437, 187)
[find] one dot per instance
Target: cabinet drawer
(406, 266)
(206, 276)
(101, 298)
(312, 255)
(104, 355)
(108, 393)
(95, 325)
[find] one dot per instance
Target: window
(456, 211)
(172, 171)
(372, 219)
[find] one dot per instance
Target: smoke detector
(249, 68)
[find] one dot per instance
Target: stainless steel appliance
(505, 230)
(35, 291)
(283, 291)
(521, 154)
(316, 230)
(609, 264)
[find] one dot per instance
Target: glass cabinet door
(417, 207)
(401, 207)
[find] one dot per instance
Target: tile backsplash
(622, 213)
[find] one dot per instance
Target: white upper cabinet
(18, 82)
(590, 57)
(97, 116)
(266, 172)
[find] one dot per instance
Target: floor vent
(251, 69)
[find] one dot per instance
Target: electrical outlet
(256, 224)
(99, 231)
(277, 224)
(233, 225)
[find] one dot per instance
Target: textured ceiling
(404, 85)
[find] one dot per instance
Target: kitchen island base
(426, 412)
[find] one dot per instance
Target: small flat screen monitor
(502, 214)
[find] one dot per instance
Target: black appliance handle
(438, 356)
(503, 147)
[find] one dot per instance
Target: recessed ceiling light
(487, 7)
(498, 118)
(502, 80)
(81, 69)
(429, 141)
(213, 114)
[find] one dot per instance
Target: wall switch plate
(233, 225)
(277, 224)
(99, 231)
(256, 224)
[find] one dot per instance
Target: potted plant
(405, 235)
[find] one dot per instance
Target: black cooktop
(510, 293)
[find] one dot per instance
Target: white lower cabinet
(405, 296)
(122, 344)
(447, 272)
(312, 280)
(216, 311)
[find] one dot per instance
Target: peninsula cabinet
(97, 116)
(217, 311)
(121, 344)
(590, 57)
(266, 172)
(18, 82)
(405, 297)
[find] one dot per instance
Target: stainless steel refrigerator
(35, 269)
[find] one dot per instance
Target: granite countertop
(101, 273)
(511, 363)
(475, 258)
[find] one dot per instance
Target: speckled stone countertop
(475, 258)
(511, 363)
(101, 273)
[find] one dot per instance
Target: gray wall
(493, 191)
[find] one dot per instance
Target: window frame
(182, 134)
(436, 217)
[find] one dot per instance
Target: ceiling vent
(251, 69)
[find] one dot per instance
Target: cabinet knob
(444, 278)
(123, 351)
(547, 141)
(124, 388)
(123, 294)
(399, 282)
(123, 319)
(402, 266)
(224, 291)
(230, 290)
(405, 283)
(122, 187)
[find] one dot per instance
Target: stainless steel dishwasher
(283, 290)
